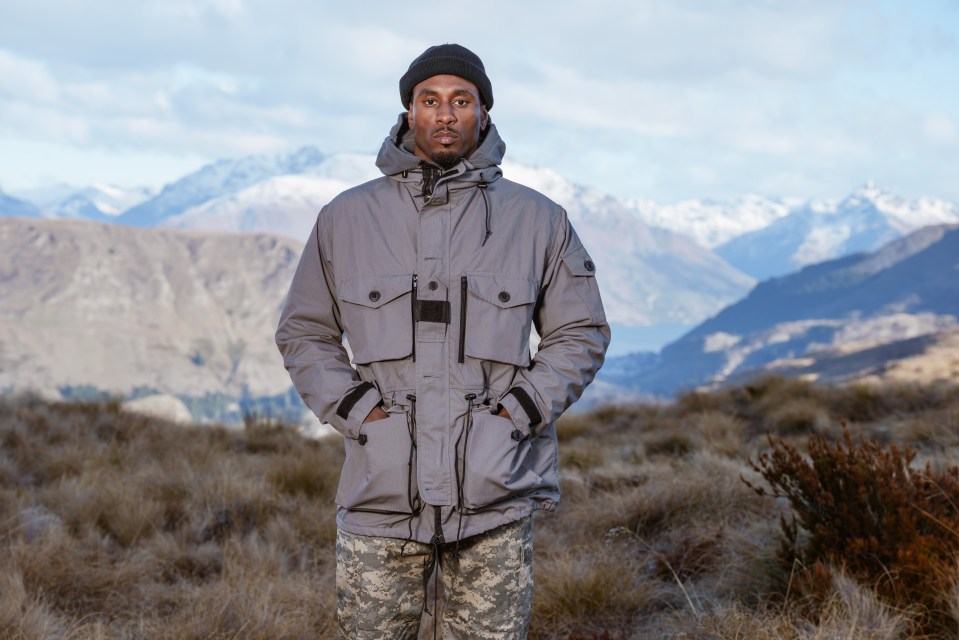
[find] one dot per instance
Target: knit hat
(451, 59)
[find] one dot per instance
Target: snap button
(589, 265)
(374, 295)
(433, 285)
(504, 296)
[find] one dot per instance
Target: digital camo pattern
(487, 586)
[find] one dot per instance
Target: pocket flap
(502, 291)
(374, 291)
(579, 263)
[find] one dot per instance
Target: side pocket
(377, 476)
(494, 463)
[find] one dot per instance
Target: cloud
(648, 98)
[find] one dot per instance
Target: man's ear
(409, 116)
(484, 118)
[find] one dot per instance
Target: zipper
(413, 315)
(463, 296)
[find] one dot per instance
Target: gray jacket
(436, 295)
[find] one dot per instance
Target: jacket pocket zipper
(463, 297)
(413, 315)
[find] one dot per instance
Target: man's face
(446, 117)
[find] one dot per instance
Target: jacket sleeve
(310, 339)
(574, 334)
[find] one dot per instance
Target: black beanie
(451, 59)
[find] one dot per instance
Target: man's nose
(445, 114)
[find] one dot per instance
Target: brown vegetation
(117, 526)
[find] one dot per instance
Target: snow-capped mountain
(713, 222)
(95, 202)
(217, 180)
(822, 230)
(286, 204)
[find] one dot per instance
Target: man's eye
(429, 102)
(461, 102)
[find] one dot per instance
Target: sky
(659, 100)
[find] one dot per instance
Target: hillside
(821, 314)
(113, 525)
(86, 304)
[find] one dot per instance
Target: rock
(161, 405)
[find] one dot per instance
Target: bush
(888, 525)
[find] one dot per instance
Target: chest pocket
(497, 313)
(377, 315)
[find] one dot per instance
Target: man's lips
(445, 136)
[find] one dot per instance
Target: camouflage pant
(487, 586)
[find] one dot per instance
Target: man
(435, 272)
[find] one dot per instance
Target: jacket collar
(397, 160)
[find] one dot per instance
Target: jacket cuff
(353, 408)
(522, 409)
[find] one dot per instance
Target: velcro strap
(528, 405)
(433, 311)
(349, 400)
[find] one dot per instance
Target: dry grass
(116, 526)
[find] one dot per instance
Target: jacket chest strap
(432, 311)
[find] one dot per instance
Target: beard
(445, 159)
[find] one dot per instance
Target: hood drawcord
(482, 187)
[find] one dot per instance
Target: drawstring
(482, 187)
(460, 465)
(432, 566)
(416, 505)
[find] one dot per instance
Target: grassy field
(115, 525)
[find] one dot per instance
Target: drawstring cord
(415, 503)
(460, 466)
(482, 187)
(432, 567)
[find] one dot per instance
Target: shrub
(862, 507)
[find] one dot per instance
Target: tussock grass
(116, 526)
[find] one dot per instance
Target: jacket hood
(396, 156)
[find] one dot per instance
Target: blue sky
(659, 100)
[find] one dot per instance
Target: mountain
(285, 204)
(821, 230)
(95, 202)
(86, 304)
(14, 207)
(217, 180)
(823, 313)
(714, 222)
